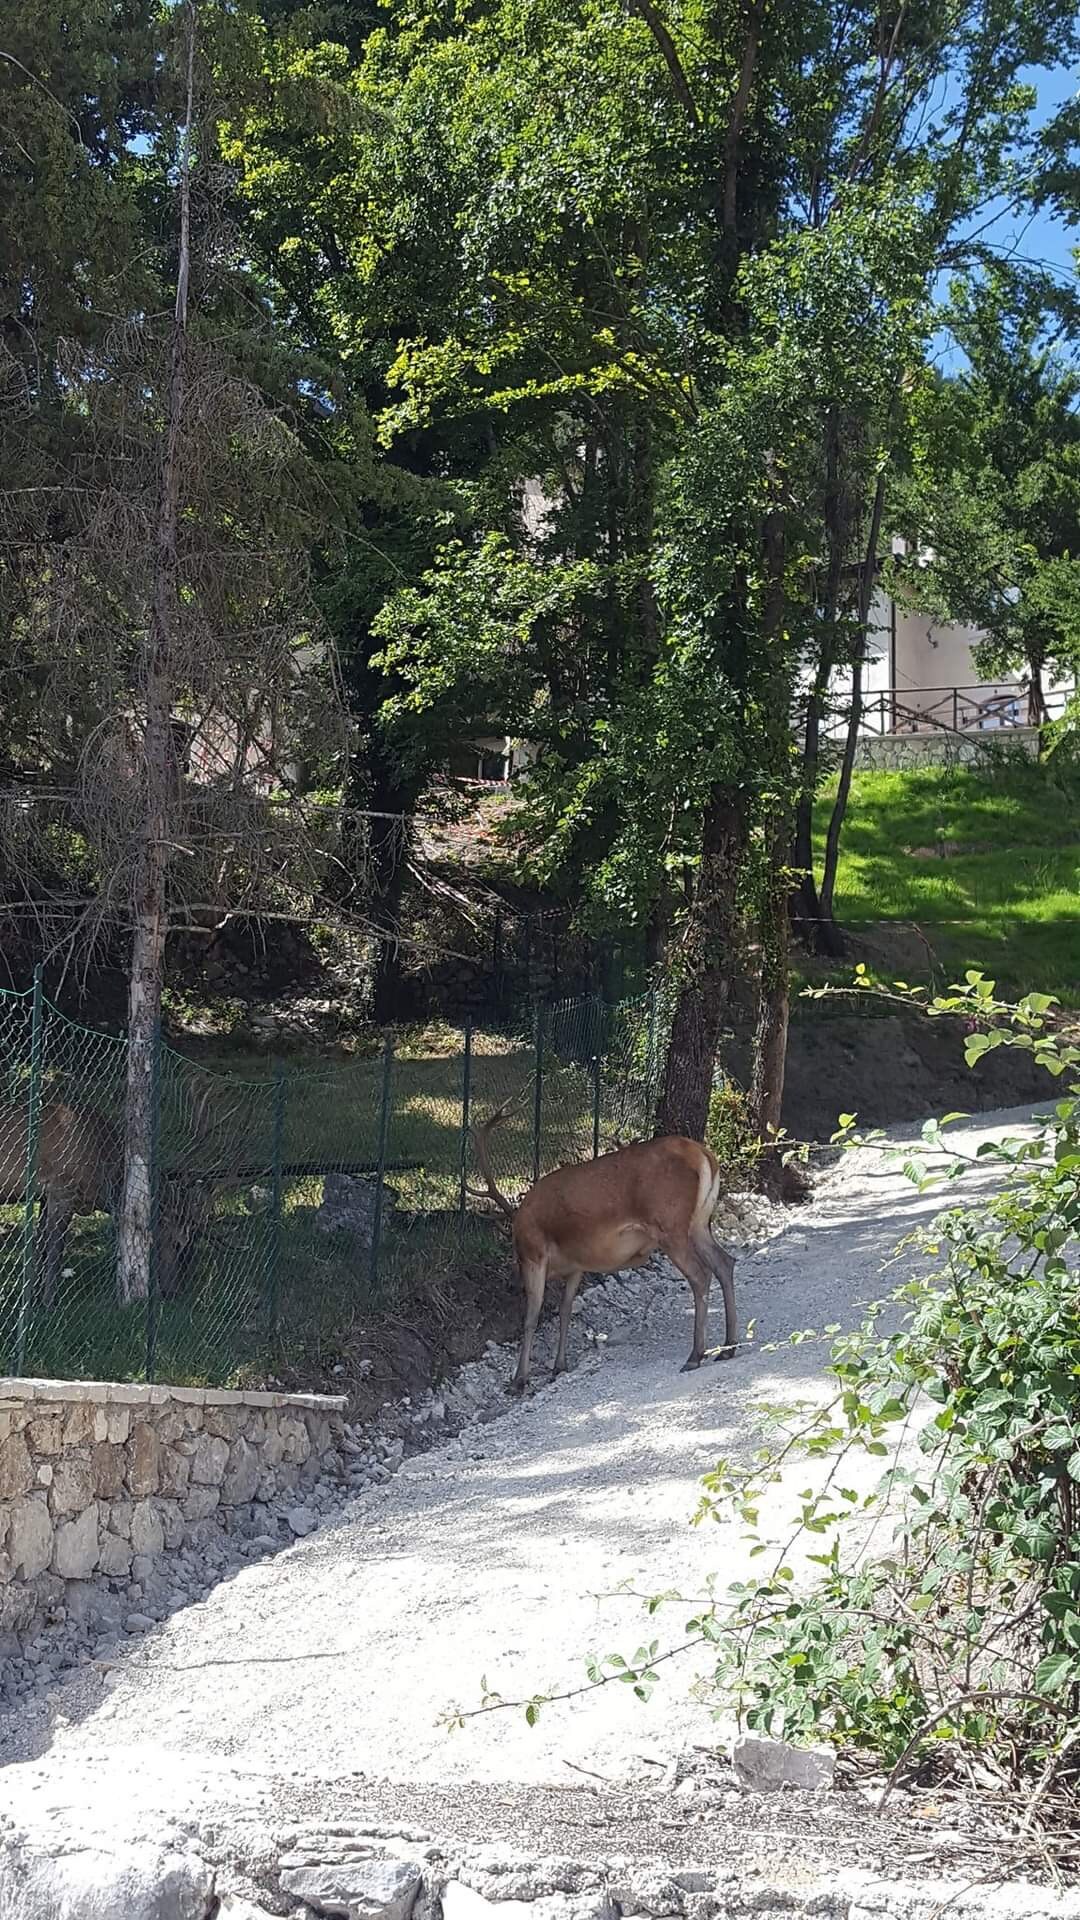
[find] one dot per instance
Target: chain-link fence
(289, 1202)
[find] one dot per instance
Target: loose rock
(767, 1765)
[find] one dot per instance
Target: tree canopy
(602, 337)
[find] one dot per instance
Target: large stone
(296, 1440)
(766, 1766)
(47, 1433)
(110, 1882)
(348, 1206)
(172, 1522)
(147, 1535)
(200, 1503)
(462, 1902)
(30, 1539)
(225, 1422)
(120, 1517)
(72, 1485)
(170, 1427)
(75, 1549)
(79, 1424)
(143, 1451)
(241, 1475)
(357, 1889)
(210, 1460)
(107, 1466)
(175, 1471)
(114, 1556)
(119, 1424)
(16, 1467)
(23, 1603)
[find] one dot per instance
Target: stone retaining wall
(96, 1476)
(899, 752)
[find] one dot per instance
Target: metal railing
(292, 1204)
(977, 709)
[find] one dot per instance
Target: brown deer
(657, 1196)
(79, 1165)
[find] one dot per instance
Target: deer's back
(658, 1186)
(78, 1152)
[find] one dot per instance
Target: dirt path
(339, 1656)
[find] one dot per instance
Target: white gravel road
(340, 1655)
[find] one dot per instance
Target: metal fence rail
(289, 1201)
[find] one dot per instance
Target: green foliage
(731, 1132)
(995, 488)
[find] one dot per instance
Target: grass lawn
(986, 864)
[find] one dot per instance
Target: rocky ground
(283, 1734)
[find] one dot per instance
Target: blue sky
(1037, 238)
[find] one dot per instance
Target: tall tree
(161, 595)
(736, 248)
(992, 506)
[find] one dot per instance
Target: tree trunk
(836, 821)
(836, 818)
(136, 1222)
(709, 947)
(1038, 711)
(159, 776)
(820, 936)
(770, 1037)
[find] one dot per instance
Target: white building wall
(921, 674)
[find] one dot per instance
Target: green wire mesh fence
(287, 1204)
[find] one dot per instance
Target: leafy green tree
(995, 490)
(732, 250)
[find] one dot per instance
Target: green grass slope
(985, 863)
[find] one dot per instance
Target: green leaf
(1055, 1673)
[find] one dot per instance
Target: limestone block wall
(94, 1475)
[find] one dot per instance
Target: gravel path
(339, 1656)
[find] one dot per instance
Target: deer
(79, 1168)
(597, 1216)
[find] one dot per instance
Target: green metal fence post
(596, 1106)
(538, 1092)
(466, 1110)
(384, 1131)
(153, 1297)
(273, 1251)
(33, 1142)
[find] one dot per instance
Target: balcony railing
(953, 709)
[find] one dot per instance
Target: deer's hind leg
(722, 1267)
(570, 1286)
(698, 1274)
(56, 1214)
(698, 1259)
(533, 1281)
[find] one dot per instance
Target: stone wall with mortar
(99, 1478)
(901, 752)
